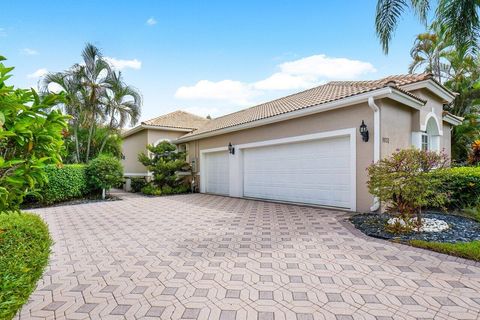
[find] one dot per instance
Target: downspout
(376, 142)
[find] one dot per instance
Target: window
(425, 142)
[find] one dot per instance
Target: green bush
(460, 184)
(165, 162)
(24, 250)
(403, 184)
(104, 172)
(137, 184)
(151, 190)
(64, 183)
(31, 137)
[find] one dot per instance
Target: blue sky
(207, 57)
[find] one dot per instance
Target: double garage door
(314, 172)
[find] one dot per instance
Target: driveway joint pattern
(211, 257)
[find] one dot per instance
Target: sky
(206, 57)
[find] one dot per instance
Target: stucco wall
(434, 104)
(349, 117)
(396, 127)
(156, 136)
(137, 142)
(446, 141)
(131, 147)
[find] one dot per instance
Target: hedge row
(64, 183)
(461, 185)
(24, 249)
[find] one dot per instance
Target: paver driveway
(209, 257)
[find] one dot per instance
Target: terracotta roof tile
(332, 91)
(177, 119)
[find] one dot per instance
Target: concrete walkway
(210, 257)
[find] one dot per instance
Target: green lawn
(467, 250)
(24, 249)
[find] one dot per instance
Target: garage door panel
(217, 175)
(316, 172)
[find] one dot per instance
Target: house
(167, 127)
(313, 147)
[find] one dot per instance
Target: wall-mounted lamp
(231, 149)
(364, 131)
(123, 156)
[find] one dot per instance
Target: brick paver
(210, 257)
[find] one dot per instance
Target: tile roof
(332, 91)
(177, 119)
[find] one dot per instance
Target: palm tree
(428, 52)
(94, 75)
(69, 83)
(459, 17)
(122, 104)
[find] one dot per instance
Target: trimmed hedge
(64, 183)
(461, 185)
(24, 249)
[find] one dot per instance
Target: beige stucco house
(307, 147)
(167, 127)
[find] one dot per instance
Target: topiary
(103, 173)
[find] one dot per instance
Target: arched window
(431, 136)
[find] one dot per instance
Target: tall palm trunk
(90, 135)
(77, 145)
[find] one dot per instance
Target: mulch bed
(461, 229)
(71, 202)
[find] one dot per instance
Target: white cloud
(37, 74)
(29, 51)
(321, 66)
(151, 21)
(297, 75)
(227, 90)
(120, 64)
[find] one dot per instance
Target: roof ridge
(174, 112)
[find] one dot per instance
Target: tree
(122, 104)
(459, 18)
(31, 137)
(103, 173)
(165, 162)
(401, 182)
(97, 98)
(428, 53)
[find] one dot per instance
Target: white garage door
(316, 172)
(217, 175)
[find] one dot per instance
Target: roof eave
(432, 86)
(386, 92)
(453, 120)
(146, 126)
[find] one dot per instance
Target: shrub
(64, 183)
(402, 182)
(103, 173)
(31, 137)
(137, 184)
(461, 186)
(24, 250)
(474, 156)
(151, 190)
(165, 162)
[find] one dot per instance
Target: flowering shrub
(474, 157)
(402, 182)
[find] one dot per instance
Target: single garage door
(217, 175)
(315, 172)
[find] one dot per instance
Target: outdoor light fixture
(364, 131)
(231, 149)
